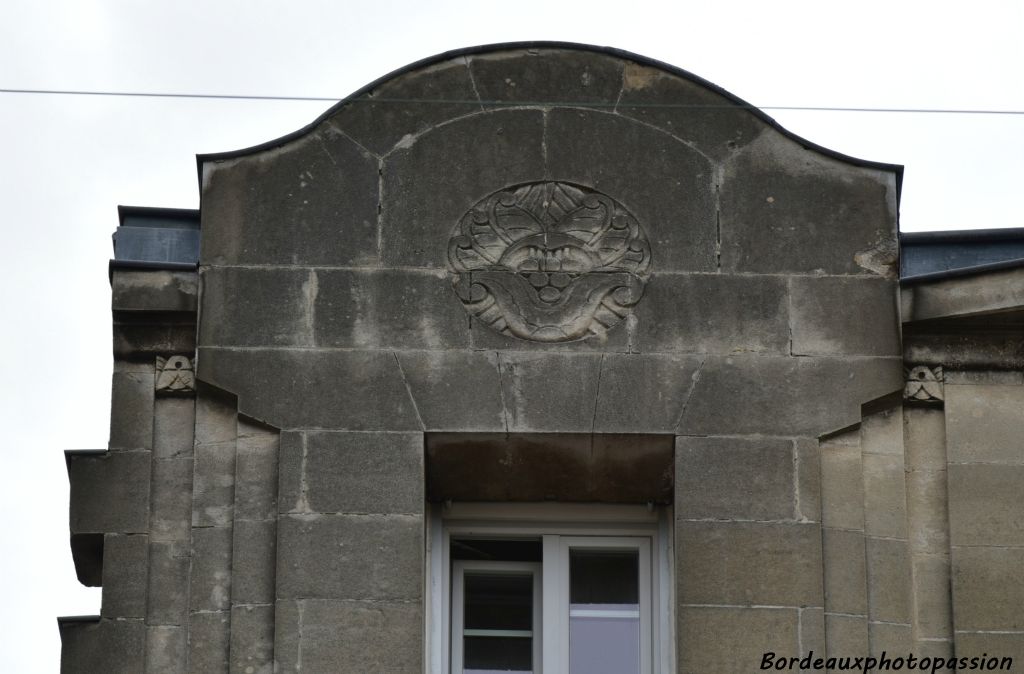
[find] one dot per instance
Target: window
(552, 589)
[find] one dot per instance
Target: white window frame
(559, 526)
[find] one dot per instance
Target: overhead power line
(495, 103)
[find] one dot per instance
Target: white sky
(68, 161)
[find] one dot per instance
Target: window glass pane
(508, 550)
(604, 612)
(498, 622)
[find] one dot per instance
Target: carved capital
(924, 383)
(175, 376)
(549, 261)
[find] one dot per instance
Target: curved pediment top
(645, 89)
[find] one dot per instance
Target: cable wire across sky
(449, 101)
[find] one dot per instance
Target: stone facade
(598, 266)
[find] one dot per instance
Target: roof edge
(962, 272)
(897, 169)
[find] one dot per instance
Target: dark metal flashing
(186, 217)
(963, 236)
(71, 453)
(146, 265)
(962, 272)
(76, 619)
(503, 46)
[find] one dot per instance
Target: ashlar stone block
(823, 323)
(789, 209)
(433, 180)
(364, 473)
(986, 505)
(641, 393)
(545, 77)
(712, 313)
(131, 410)
(395, 110)
(311, 201)
(243, 306)
(733, 640)
(373, 636)
(553, 392)
(987, 592)
(455, 390)
(688, 109)
(667, 185)
(735, 478)
(983, 424)
(389, 308)
(124, 576)
(338, 557)
(845, 572)
(300, 388)
(748, 563)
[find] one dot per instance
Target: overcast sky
(68, 161)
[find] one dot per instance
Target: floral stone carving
(549, 261)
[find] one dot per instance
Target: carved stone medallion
(175, 376)
(549, 261)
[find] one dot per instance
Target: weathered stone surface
(842, 486)
(929, 521)
(302, 388)
(252, 639)
(924, 437)
(347, 636)
(131, 410)
(882, 433)
(991, 645)
(734, 478)
(733, 640)
(124, 576)
(166, 649)
(885, 496)
(891, 639)
(209, 642)
(710, 313)
(983, 424)
(547, 76)
(785, 396)
(812, 632)
(109, 492)
(553, 392)
(410, 104)
(933, 613)
(253, 561)
(808, 475)
(287, 626)
(845, 573)
(167, 333)
(987, 592)
(258, 307)
(888, 567)
(846, 636)
(174, 427)
(568, 467)
(172, 500)
(455, 390)
(214, 485)
(388, 309)
(643, 393)
(666, 184)
(256, 479)
(290, 472)
(134, 290)
(748, 563)
(985, 504)
(823, 323)
(363, 473)
(270, 208)
(108, 646)
(338, 557)
(429, 184)
(216, 416)
(982, 378)
(789, 209)
(169, 565)
(211, 569)
(688, 110)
